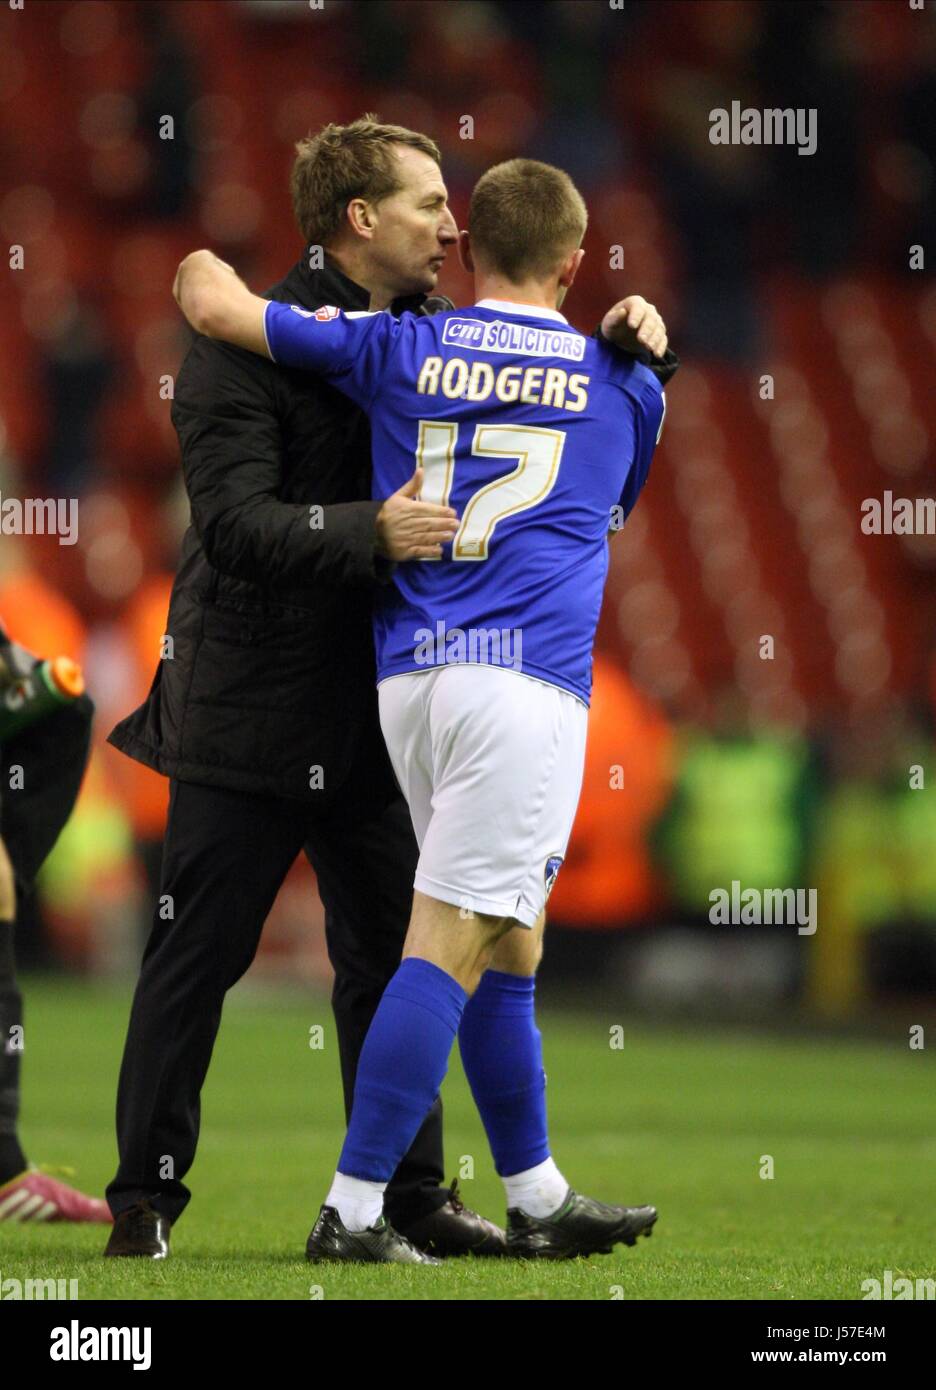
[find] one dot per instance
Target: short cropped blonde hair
(525, 218)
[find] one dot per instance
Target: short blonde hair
(343, 162)
(525, 218)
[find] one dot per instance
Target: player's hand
(7, 887)
(197, 264)
(634, 325)
(411, 530)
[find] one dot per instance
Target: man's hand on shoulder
(635, 326)
(408, 529)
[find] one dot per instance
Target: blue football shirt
(532, 431)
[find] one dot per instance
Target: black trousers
(224, 858)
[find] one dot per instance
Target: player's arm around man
(217, 303)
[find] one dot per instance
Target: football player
(537, 436)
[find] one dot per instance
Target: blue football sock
(403, 1060)
(502, 1054)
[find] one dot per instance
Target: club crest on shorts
(553, 865)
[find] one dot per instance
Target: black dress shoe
(581, 1226)
(141, 1231)
(453, 1229)
(378, 1245)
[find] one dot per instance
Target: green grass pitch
(679, 1119)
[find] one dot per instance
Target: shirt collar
(332, 282)
(530, 311)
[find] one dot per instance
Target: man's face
(413, 228)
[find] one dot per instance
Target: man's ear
(464, 252)
(570, 268)
(361, 218)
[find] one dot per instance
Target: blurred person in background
(806, 57)
(77, 369)
(41, 767)
(874, 852)
(170, 85)
(608, 877)
(742, 808)
(42, 619)
(713, 192)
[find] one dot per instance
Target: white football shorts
(490, 762)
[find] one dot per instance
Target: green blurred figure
(742, 809)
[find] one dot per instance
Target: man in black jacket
(263, 711)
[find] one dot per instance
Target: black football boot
(581, 1226)
(378, 1245)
